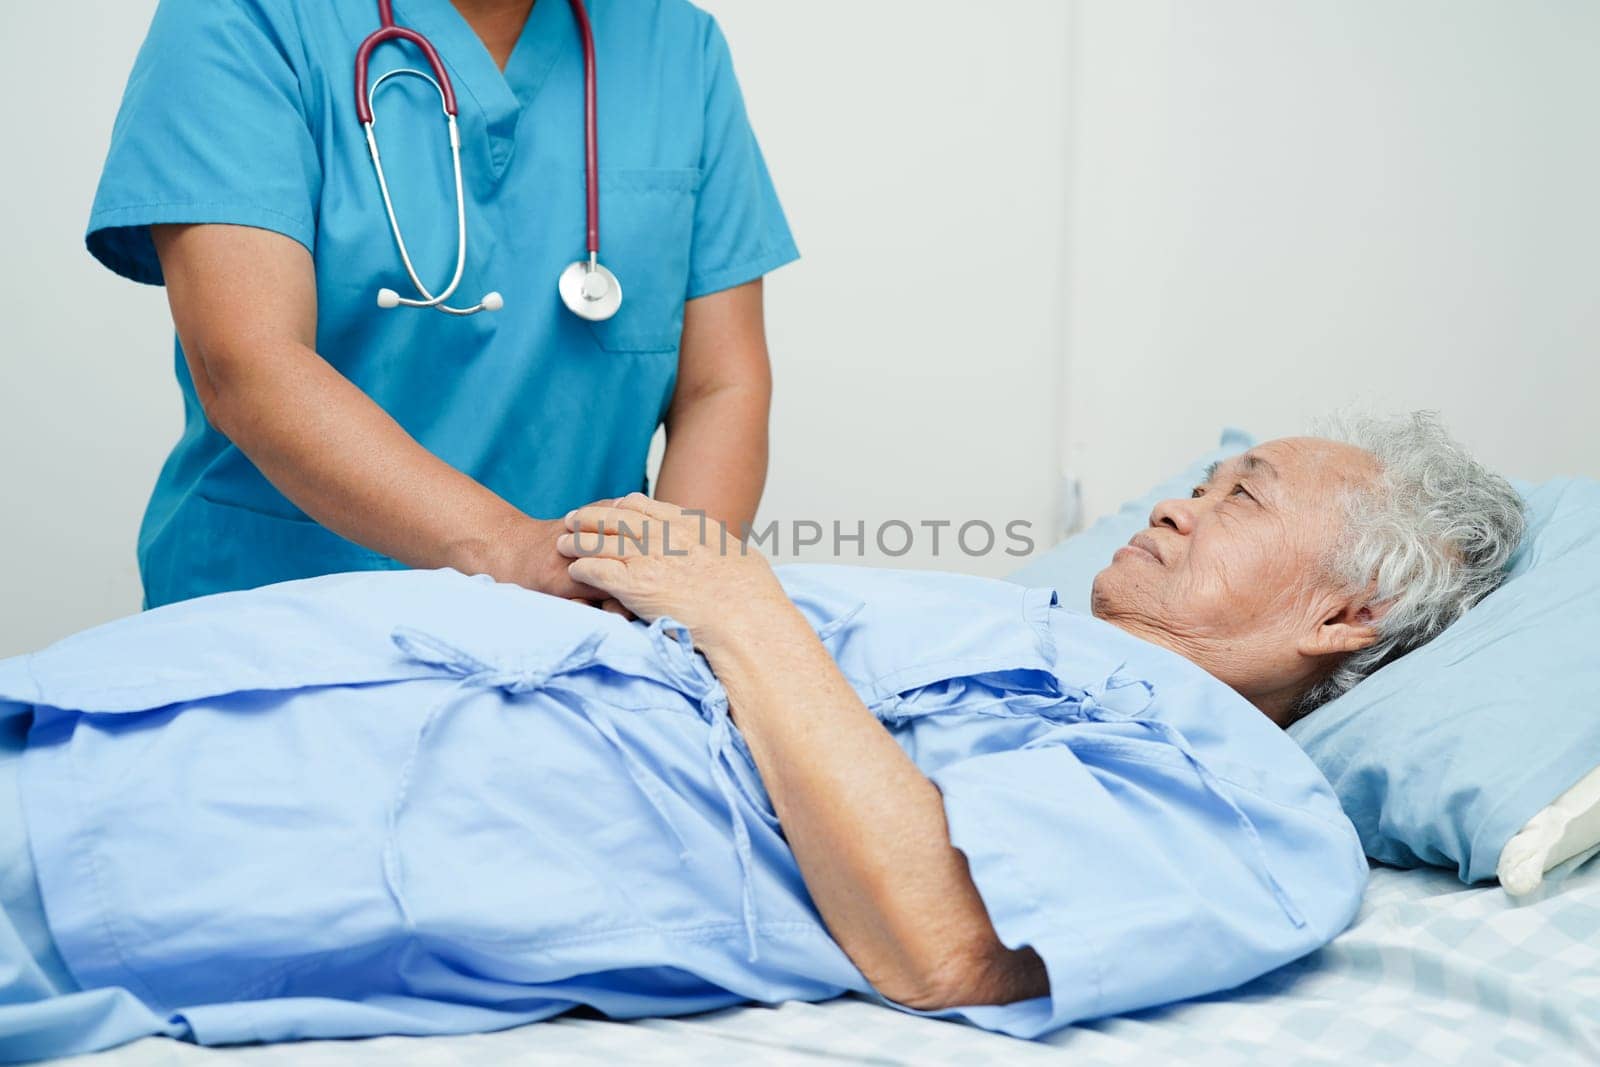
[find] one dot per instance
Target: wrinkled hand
(659, 559)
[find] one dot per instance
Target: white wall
(920, 157)
(88, 404)
(1277, 207)
(901, 392)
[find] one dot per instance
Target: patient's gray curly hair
(1433, 531)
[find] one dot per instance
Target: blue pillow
(1443, 755)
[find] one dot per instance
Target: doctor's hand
(524, 552)
(659, 559)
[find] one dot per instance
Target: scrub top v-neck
(244, 113)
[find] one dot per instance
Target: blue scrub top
(244, 113)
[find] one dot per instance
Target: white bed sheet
(1431, 972)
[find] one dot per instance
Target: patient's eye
(1196, 492)
(1239, 488)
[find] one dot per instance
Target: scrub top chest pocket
(647, 226)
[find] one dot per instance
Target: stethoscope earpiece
(594, 292)
(388, 298)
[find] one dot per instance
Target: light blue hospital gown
(418, 802)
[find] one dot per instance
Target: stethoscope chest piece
(590, 291)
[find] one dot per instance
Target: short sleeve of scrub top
(212, 129)
(739, 229)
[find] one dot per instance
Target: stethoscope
(586, 286)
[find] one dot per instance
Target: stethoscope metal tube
(586, 286)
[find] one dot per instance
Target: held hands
(659, 559)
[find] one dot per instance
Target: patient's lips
(1142, 544)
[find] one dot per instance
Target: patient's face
(1233, 576)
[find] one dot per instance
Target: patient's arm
(865, 824)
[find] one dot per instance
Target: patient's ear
(1347, 626)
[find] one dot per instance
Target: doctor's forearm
(347, 463)
(244, 302)
(716, 455)
(716, 458)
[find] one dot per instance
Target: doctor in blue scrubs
(325, 433)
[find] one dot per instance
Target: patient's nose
(1175, 514)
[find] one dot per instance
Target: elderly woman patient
(420, 802)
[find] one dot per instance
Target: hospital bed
(1431, 971)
